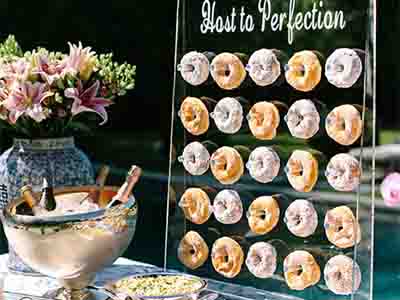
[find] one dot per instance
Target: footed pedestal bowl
(72, 248)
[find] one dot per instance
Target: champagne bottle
(47, 200)
(30, 206)
(125, 190)
(95, 194)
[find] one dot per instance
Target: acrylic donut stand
(242, 26)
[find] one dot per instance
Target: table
(40, 285)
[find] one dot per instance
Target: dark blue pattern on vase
(28, 162)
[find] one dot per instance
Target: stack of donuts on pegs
(263, 120)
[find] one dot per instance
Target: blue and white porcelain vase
(29, 161)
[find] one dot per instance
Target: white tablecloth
(40, 285)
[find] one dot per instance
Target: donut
(302, 171)
(194, 116)
(301, 218)
(228, 71)
(228, 207)
(344, 124)
(192, 250)
(227, 165)
(263, 164)
(301, 270)
(261, 260)
(303, 119)
(196, 205)
(342, 275)
(194, 68)
(343, 68)
(343, 172)
(263, 214)
(304, 71)
(228, 115)
(227, 257)
(264, 120)
(341, 227)
(264, 67)
(195, 158)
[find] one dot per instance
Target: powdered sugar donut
(342, 275)
(343, 68)
(303, 119)
(194, 68)
(343, 172)
(263, 164)
(228, 207)
(261, 260)
(228, 115)
(264, 67)
(301, 218)
(195, 158)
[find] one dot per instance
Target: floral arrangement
(46, 94)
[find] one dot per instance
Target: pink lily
(80, 60)
(49, 71)
(86, 100)
(17, 70)
(26, 98)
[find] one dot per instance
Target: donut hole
(226, 259)
(192, 251)
(299, 271)
(340, 228)
(227, 72)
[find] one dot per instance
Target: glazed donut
(261, 260)
(344, 124)
(227, 257)
(195, 158)
(196, 205)
(194, 116)
(302, 171)
(343, 172)
(264, 120)
(228, 207)
(301, 270)
(192, 250)
(228, 71)
(301, 218)
(264, 67)
(228, 115)
(304, 71)
(342, 275)
(227, 165)
(341, 227)
(263, 164)
(343, 68)
(263, 214)
(303, 119)
(194, 68)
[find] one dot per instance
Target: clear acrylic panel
(244, 26)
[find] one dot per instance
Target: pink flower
(86, 100)
(49, 71)
(390, 189)
(80, 60)
(25, 99)
(17, 70)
